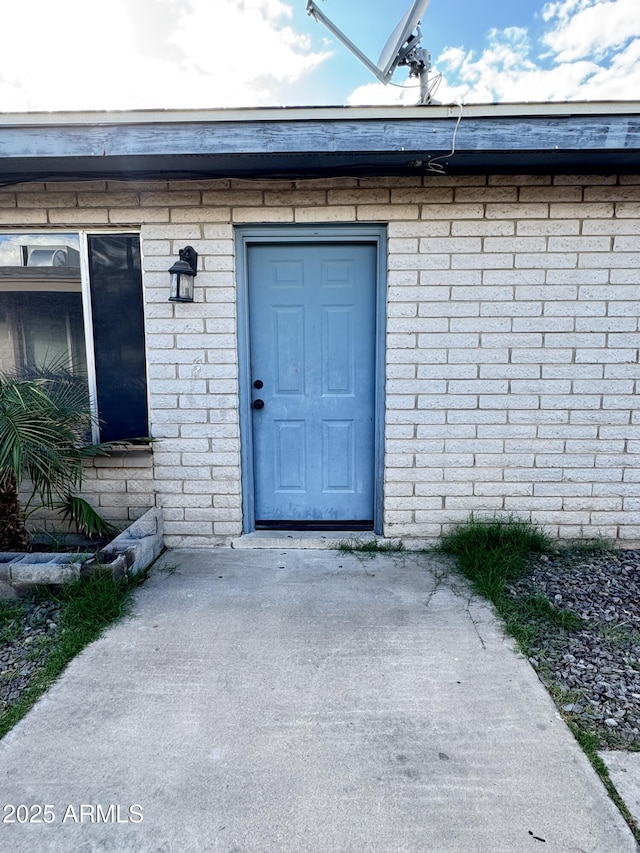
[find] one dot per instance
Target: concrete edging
(129, 553)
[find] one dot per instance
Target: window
(73, 302)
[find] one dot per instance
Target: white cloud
(379, 94)
(129, 54)
(618, 81)
(241, 43)
(590, 50)
(590, 27)
(112, 54)
(504, 71)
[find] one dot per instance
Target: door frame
(245, 236)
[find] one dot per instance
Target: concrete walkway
(307, 702)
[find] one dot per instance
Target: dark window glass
(43, 332)
(41, 326)
(118, 335)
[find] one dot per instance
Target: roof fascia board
(297, 114)
(322, 142)
(424, 137)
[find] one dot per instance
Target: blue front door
(312, 350)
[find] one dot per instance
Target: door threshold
(324, 526)
(297, 539)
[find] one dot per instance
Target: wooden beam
(321, 146)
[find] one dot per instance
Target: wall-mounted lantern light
(182, 274)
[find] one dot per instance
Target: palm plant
(45, 425)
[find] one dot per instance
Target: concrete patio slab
(306, 702)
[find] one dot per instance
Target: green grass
(590, 745)
(10, 614)
(494, 554)
(88, 606)
(491, 552)
(370, 547)
(532, 619)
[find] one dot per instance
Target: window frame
(83, 235)
(87, 317)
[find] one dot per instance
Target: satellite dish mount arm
(313, 10)
(418, 61)
(403, 48)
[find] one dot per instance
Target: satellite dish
(392, 52)
(402, 47)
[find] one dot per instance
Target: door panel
(288, 349)
(338, 456)
(312, 345)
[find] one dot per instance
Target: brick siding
(512, 344)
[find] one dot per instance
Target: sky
(207, 54)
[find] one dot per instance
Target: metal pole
(425, 97)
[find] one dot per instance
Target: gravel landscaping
(593, 671)
(27, 634)
(40, 634)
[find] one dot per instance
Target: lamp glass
(182, 274)
(181, 288)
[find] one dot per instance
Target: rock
(600, 661)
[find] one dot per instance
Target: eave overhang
(295, 143)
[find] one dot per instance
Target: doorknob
(258, 384)
(258, 404)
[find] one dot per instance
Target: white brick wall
(512, 346)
